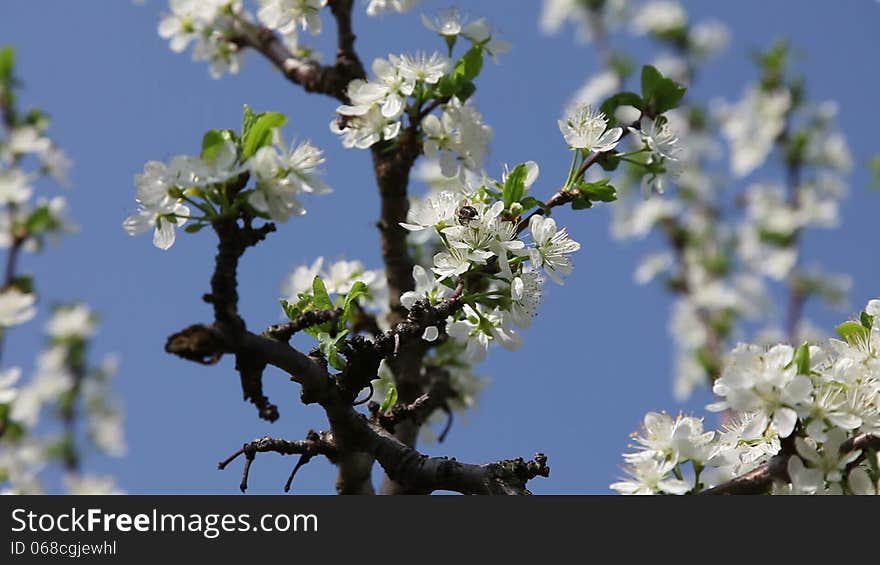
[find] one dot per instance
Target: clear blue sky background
(598, 356)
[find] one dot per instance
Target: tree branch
(331, 80)
(314, 444)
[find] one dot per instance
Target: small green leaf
(213, 141)
(247, 121)
(469, 65)
(257, 131)
(852, 332)
(290, 310)
(802, 359)
(609, 161)
(40, 220)
(875, 171)
(599, 191)
(390, 398)
(194, 228)
(530, 202)
(358, 289)
(465, 89)
(658, 92)
(7, 64)
(24, 283)
(329, 347)
(867, 320)
(611, 104)
(581, 203)
(322, 298)
(446, 87)
(780, 239)
(515, 184)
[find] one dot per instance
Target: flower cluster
(414, 85)
(752, 126)
(720, 263)
(375, 7)
(207, 24)
(375, 107)
(213, 26)
(339, 278)
(587, 17)
(165, 193)
(480, 242)
(287, 17)
(819, 396)
(61, 379)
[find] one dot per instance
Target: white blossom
(752, 126)
(16, 307)
(586, 129)
(422, 67)
(15, 186)
(286, 15)
(659, 16)
(375, 7)
(526, 292)
(77, 321)
(552, 247)
(8, 378)
(650, 476)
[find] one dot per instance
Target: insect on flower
(465, 213)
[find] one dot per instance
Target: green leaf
(802, 359)
(39, 220)
(515, 184)
(257, 130)
(469, 65)
(213, 141)
(319, 290)
(599, 191)
(580, 202)
(447, 86)
(7, 64)
(611, 104)
(875, 171)
(24, 283)
(329, 347)
(390, 398)
(465, 89)
(194, 228)
(530, 202)
(290, 310)
(358, 289)
(853, 332)
(609, 161)
(777, 238)
(458, 86)
(660, 93)
(867, 320)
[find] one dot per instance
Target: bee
(466, 213)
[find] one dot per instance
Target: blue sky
(598, 356)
